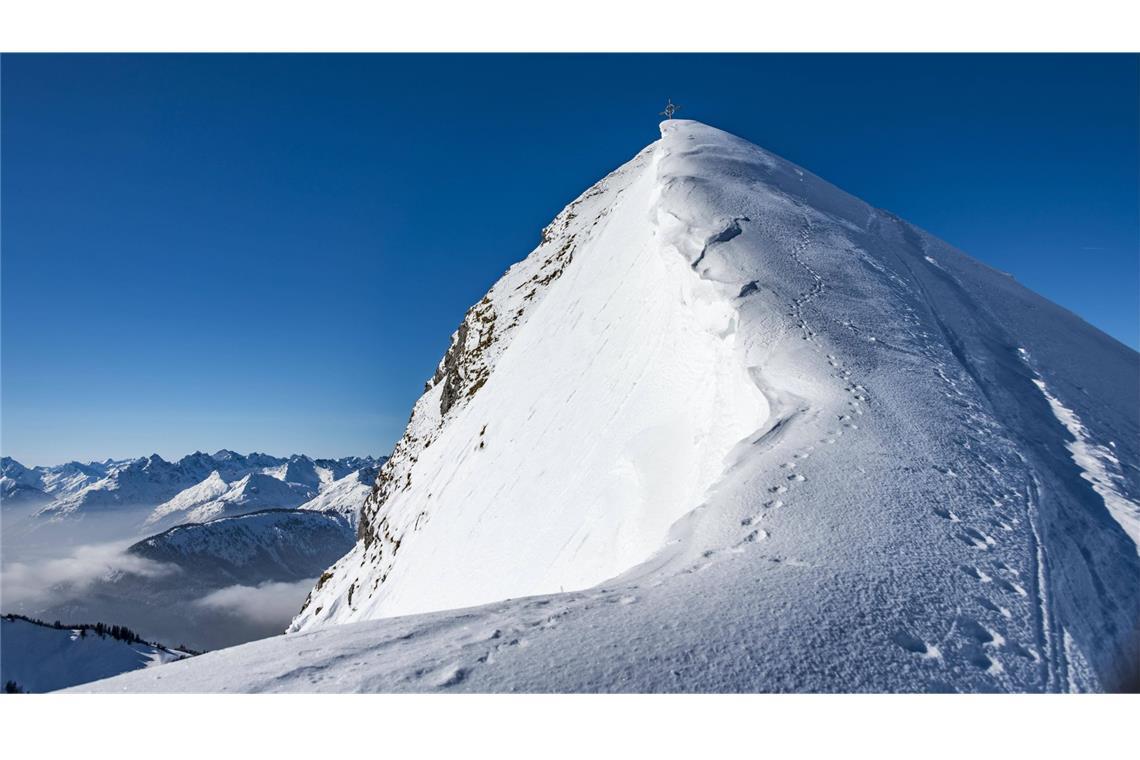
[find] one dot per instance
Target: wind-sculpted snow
(747, 433)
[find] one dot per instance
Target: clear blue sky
(270, 252)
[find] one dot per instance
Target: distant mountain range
(196, 488)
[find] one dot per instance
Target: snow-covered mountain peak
(632, 367)
(716, 359)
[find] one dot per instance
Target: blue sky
(270, 252)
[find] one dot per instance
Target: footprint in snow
(976, 573)
(755, 536)
(976, 657)
(987, 604)
(912, 643)
(946, 514)
(1013, 588)
(977, 539)
(1009, 569)
(972, 629)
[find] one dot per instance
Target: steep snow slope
(786, 440)
(636, 460)
(41, 658)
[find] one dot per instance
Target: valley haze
(208, 551)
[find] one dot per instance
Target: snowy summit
(729, 428)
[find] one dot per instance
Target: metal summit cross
(670, 109)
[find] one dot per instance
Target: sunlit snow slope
(765, 437)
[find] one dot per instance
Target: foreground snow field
(729, 428)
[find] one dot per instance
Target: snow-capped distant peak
(195, 488)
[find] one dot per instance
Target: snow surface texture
(41, 658)
(739, 431)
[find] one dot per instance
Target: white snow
(738, 431)
(195, 501)
(624, 406)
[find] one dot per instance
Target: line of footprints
(979, 642)
(791, 475)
